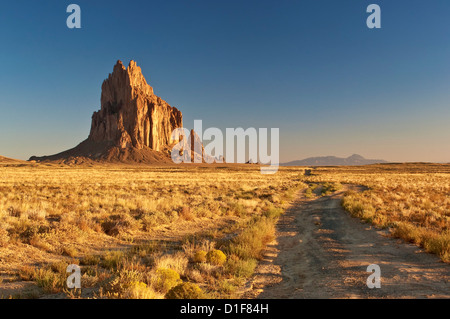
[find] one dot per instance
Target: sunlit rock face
(131, 115)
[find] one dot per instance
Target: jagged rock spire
(131, 115)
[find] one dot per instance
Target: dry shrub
(165, 279)
(86, 223)
(357, 208)
(151, 220)
(186, 213)
(69, 251)
(241, 268)
(37, 215)
(90, 260)
(4, 237)
(145, 249)
(120, 285)
(253, 239)
(24, 229)
(59, 267)
(112, 259)
(50, 281)
(46, 278)
(191, 247)
(177, 262)
(194, 275)
(210, 272)
(216, 257)
(139, 290)
(200, 256)
(119, 224)
(26, 273)
(88, 281)
(438, 244)
(186, 290)
(38, 242)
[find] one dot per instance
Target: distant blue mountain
(355, 159)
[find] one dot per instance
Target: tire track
(322, 252)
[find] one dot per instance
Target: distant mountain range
(355, 159)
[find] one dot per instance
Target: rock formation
(131, 115)
(133, 124)
(197, 152)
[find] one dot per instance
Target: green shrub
(166, 279)
(186, 290)
(241, 268)
(216, 257)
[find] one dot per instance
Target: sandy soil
(322, 252)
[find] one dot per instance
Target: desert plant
(216, 257)
(139, 290)
(4, 237)
(166, 279)
(90, 260)
(50, 281)
(121, 283)
(177, 262)
(241, 268)
(199, 256)
(186, 290)
(112, 259)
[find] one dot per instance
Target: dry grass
(412, 200)
(123, 224)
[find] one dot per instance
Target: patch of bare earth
(321, 251)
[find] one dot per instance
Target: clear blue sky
(310, 67)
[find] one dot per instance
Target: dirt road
(322, 252)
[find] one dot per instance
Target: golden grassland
(139, 231)
(186, 231)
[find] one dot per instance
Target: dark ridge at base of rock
(90, 152)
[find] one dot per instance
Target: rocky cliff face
(131, 115)
(132, 125)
